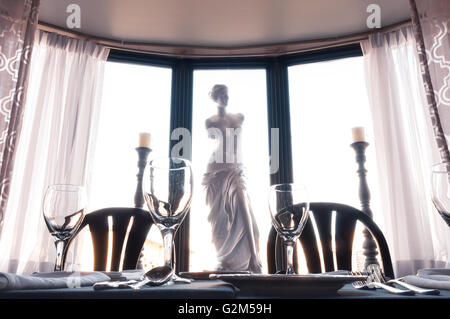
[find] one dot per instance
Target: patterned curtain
(431, 22)
(18, 21)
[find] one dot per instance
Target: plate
(204, 275)
(287, 285)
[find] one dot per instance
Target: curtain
(431, 22)
(406, 149)
(57, 143)
(18, 21)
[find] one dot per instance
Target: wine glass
(440, 186)
(167, 189)
(63, 210)
(289, 208)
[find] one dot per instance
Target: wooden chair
(346, 218)
(129, 228)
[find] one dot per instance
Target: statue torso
(228, 127)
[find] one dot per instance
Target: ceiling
(224, 23)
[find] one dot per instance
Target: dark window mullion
(181, 117)
(278, 116)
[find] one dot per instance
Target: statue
(234, 229)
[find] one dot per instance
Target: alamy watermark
(374, 19)
(229, 149)
(73, 21)
(74, 280)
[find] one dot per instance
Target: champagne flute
(440, 186)
(167, 191)
(63, 210)
(289, 208)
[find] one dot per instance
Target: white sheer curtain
(58, 137)
(406, 149)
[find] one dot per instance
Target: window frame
(278, 108)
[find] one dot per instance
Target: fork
(371, 284)
(378, 276)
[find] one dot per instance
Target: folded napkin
(50, 280)
(337, 273)
(434, 278)
(330, 273)
(130, 274)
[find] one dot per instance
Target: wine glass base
(177, 279)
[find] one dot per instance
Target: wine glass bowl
(167, 189)
(289, 209)
(63, 209)
(289, 223)
(64, 227)
(440, 186)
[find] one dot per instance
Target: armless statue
(235, 232)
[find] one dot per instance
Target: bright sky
(327, 100)
(135, 99)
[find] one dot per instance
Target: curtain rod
(184, 51)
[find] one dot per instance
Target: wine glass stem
(60, 254)
(289, 246)
(168, 247)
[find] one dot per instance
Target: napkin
(50, 280)
(131, 274)
(337, 273)
(329, 273)
(435, 278)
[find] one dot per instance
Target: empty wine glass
(167, 191)
(440, 185)
(63, 210)
(289, 208)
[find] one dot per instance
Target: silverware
(155, 277)
(378, 276)
(416, 289)
(371, 284)
(360, 284)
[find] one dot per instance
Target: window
(327, 99)
(136, 98)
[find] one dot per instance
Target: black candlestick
(142, 162)
(369, 245)
(138, 196)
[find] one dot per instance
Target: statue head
(219, 94)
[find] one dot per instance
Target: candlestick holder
(138, 196)
(142, 162)
(369, 246)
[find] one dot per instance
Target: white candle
(358, 134)
(144, 140)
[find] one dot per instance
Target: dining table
(204, 289)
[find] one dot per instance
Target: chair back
(345, 223)
(123, 231)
